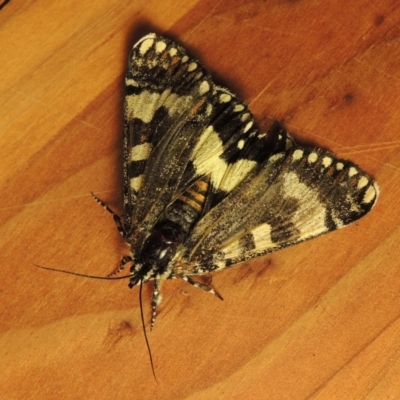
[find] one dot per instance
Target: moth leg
(116, 217)
(124, 260)
(155, 301)
(202, 286)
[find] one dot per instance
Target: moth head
(157, 251)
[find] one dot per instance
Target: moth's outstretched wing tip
(362, 189)
(377, 194)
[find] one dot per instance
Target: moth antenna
(107, 278)
(144, 331)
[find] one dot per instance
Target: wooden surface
(316, 321)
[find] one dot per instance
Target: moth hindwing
(203, 188)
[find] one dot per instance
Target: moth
(204, 190)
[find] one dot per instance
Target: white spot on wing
(370, 194)
(238, 108)
(141, 152)
(362, 182)
(312, 157)
(245, 117)
(136, 182)
(192, 66)
(225, 98)
(240, 144)
(326, 162)
(173, 51)
(160, 47)
(185, 59)
(262, 237)
(297, 155)
(248, 126)
(352, 171)
(339, 166)
(145, 46)
(204, 87)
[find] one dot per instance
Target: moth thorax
(160, 247)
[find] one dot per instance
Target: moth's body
(203, 189)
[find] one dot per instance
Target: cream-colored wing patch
(206, 158)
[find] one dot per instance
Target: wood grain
(316, 321)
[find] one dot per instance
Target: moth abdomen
(187, 209)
